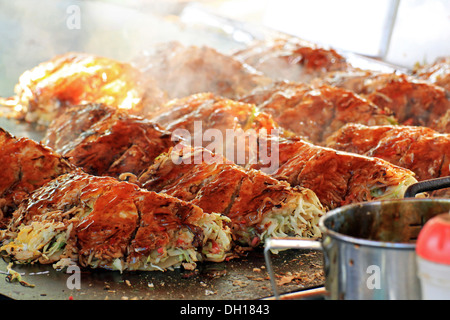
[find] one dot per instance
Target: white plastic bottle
(433, 258)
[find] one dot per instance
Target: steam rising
(35, 31)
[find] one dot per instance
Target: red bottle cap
(433, 243)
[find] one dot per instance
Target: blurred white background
(402, 32)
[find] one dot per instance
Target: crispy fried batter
(413, 101)
(315, 113)
(214, 112)
(250, 198)
(73, 122)
(222, 125)
(419, 149)
(25, 165)
(105, 141)
(338, 177)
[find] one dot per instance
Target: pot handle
(285, 243)
(427, 185)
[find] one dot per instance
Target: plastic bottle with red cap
(433, 258)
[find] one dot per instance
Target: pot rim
(365, 242)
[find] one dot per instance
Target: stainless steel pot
(369, 248)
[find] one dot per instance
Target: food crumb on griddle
(209, 292)
(298, 277)
(239, 283)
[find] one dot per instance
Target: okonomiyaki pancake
(222, 125)
(258, 205)
(79, 78)
(104, 141)
(422, 150)
(101, 222)
(316, 112)
(25, 165)
(337, 177)
(413, 101)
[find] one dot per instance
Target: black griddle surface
(239, 279)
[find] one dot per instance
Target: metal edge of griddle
(314, 293)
